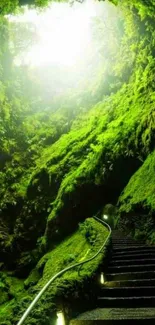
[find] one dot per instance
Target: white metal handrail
(28, 310)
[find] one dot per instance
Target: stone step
(130, 275)
(114, 240)
(136, 255)
(120, 235)
(128, 295)
(133, 247)
(130, 316)
(124, 244)
(127, 291)
(130, 283)
(121, 238)
(141, 249)
(131, 268)
(122, 321)
(126, 302)
(130, 262)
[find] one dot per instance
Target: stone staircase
(128, 294)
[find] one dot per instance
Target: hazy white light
(64, 33)
(102, 280)
(60, 318)
(105, 217)
(29, 15)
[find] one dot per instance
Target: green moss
(3, 296)
(137, 202)
(10, 287)
(141, 187)
(70, 251)
(64, 159)
(60, 155)
(32, 279)
(16, 286)
(14, 291)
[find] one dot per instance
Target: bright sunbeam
(63, 33)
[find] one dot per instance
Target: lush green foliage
(138, 196)
(141, 187)
(72, 250)
(66, 154)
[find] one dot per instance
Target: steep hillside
(64, 155)
(17, 293)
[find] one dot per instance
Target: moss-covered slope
(82, 245)
(86, 165)
(141, 187)
(59, 166)
(137, 202)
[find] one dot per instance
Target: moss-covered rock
(140, 190)
(73, 249)
(138, 197)
(89, 163)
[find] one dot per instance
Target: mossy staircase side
(128, 293)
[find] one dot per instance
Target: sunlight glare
(64, 33)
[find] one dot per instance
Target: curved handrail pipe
(33, 303)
